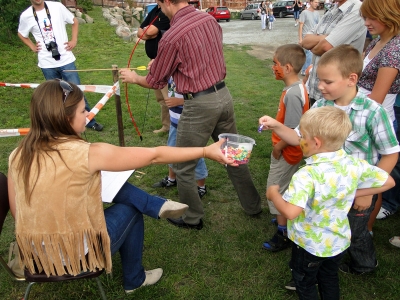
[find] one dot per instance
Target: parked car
(219, 13)
(250, 12)
(283, 8)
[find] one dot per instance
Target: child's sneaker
(278, 242)
(165, 182)
(202, 191)
(383, 214)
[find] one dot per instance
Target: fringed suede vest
(65, 215)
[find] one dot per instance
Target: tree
(9, 18)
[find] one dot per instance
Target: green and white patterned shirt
(325, 189)
(372, 132)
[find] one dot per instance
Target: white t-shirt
(55, 27)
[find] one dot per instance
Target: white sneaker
(152, 277)
(172, 209)
(295, 25)
(383, 214)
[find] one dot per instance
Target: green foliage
(86, 5)
(235, 15)
(9, 18)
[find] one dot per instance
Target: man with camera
(46, 21)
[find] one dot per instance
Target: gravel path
(264, 43)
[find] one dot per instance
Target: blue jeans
(361, 251)
(308, 269)
(391, 198)
(296, 14)
(200, 171)
(124, 220)
(308, 60)
(53, 73)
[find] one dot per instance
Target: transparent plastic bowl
(238, 147)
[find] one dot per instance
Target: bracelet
(204, 152)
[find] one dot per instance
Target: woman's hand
(214, 152)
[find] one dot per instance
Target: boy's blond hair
(347, 59)
(291, 54)
(328, 123)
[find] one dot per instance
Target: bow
(126, 84)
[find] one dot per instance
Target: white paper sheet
(111, 183)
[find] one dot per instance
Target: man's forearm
(74, 31)
(311, 40)
(322, 47)
(301, 32)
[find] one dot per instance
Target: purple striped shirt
(191, 52)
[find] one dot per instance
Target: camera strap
(37, 21)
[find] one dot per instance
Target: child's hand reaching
(268, 123)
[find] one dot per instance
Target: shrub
(9, 19)
(85, 4)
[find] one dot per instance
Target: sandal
(277, 243)
(395, 241)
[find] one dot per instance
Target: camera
(52, 46)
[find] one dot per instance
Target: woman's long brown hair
(50, 126)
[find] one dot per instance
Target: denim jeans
(53, 73)
(202, 117)
(391, 198)
(200, 171)
(124, 220)
(361, 251)
(308, 60)
(296, 14)
(308, 269)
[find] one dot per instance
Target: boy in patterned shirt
(371, 137)
(319, 197)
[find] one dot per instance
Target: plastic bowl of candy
(237, 147)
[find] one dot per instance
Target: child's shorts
(280, 172)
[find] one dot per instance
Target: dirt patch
(262, 52)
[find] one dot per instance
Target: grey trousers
(204, 117)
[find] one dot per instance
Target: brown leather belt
(212, 89)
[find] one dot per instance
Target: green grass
(225, 259)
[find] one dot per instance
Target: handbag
(14, 260)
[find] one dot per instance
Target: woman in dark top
(296, 11)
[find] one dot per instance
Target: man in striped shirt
(191, 52)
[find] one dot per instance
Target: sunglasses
(66, 87)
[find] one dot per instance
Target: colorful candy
(240, 155)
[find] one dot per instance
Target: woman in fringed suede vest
(55, 192)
